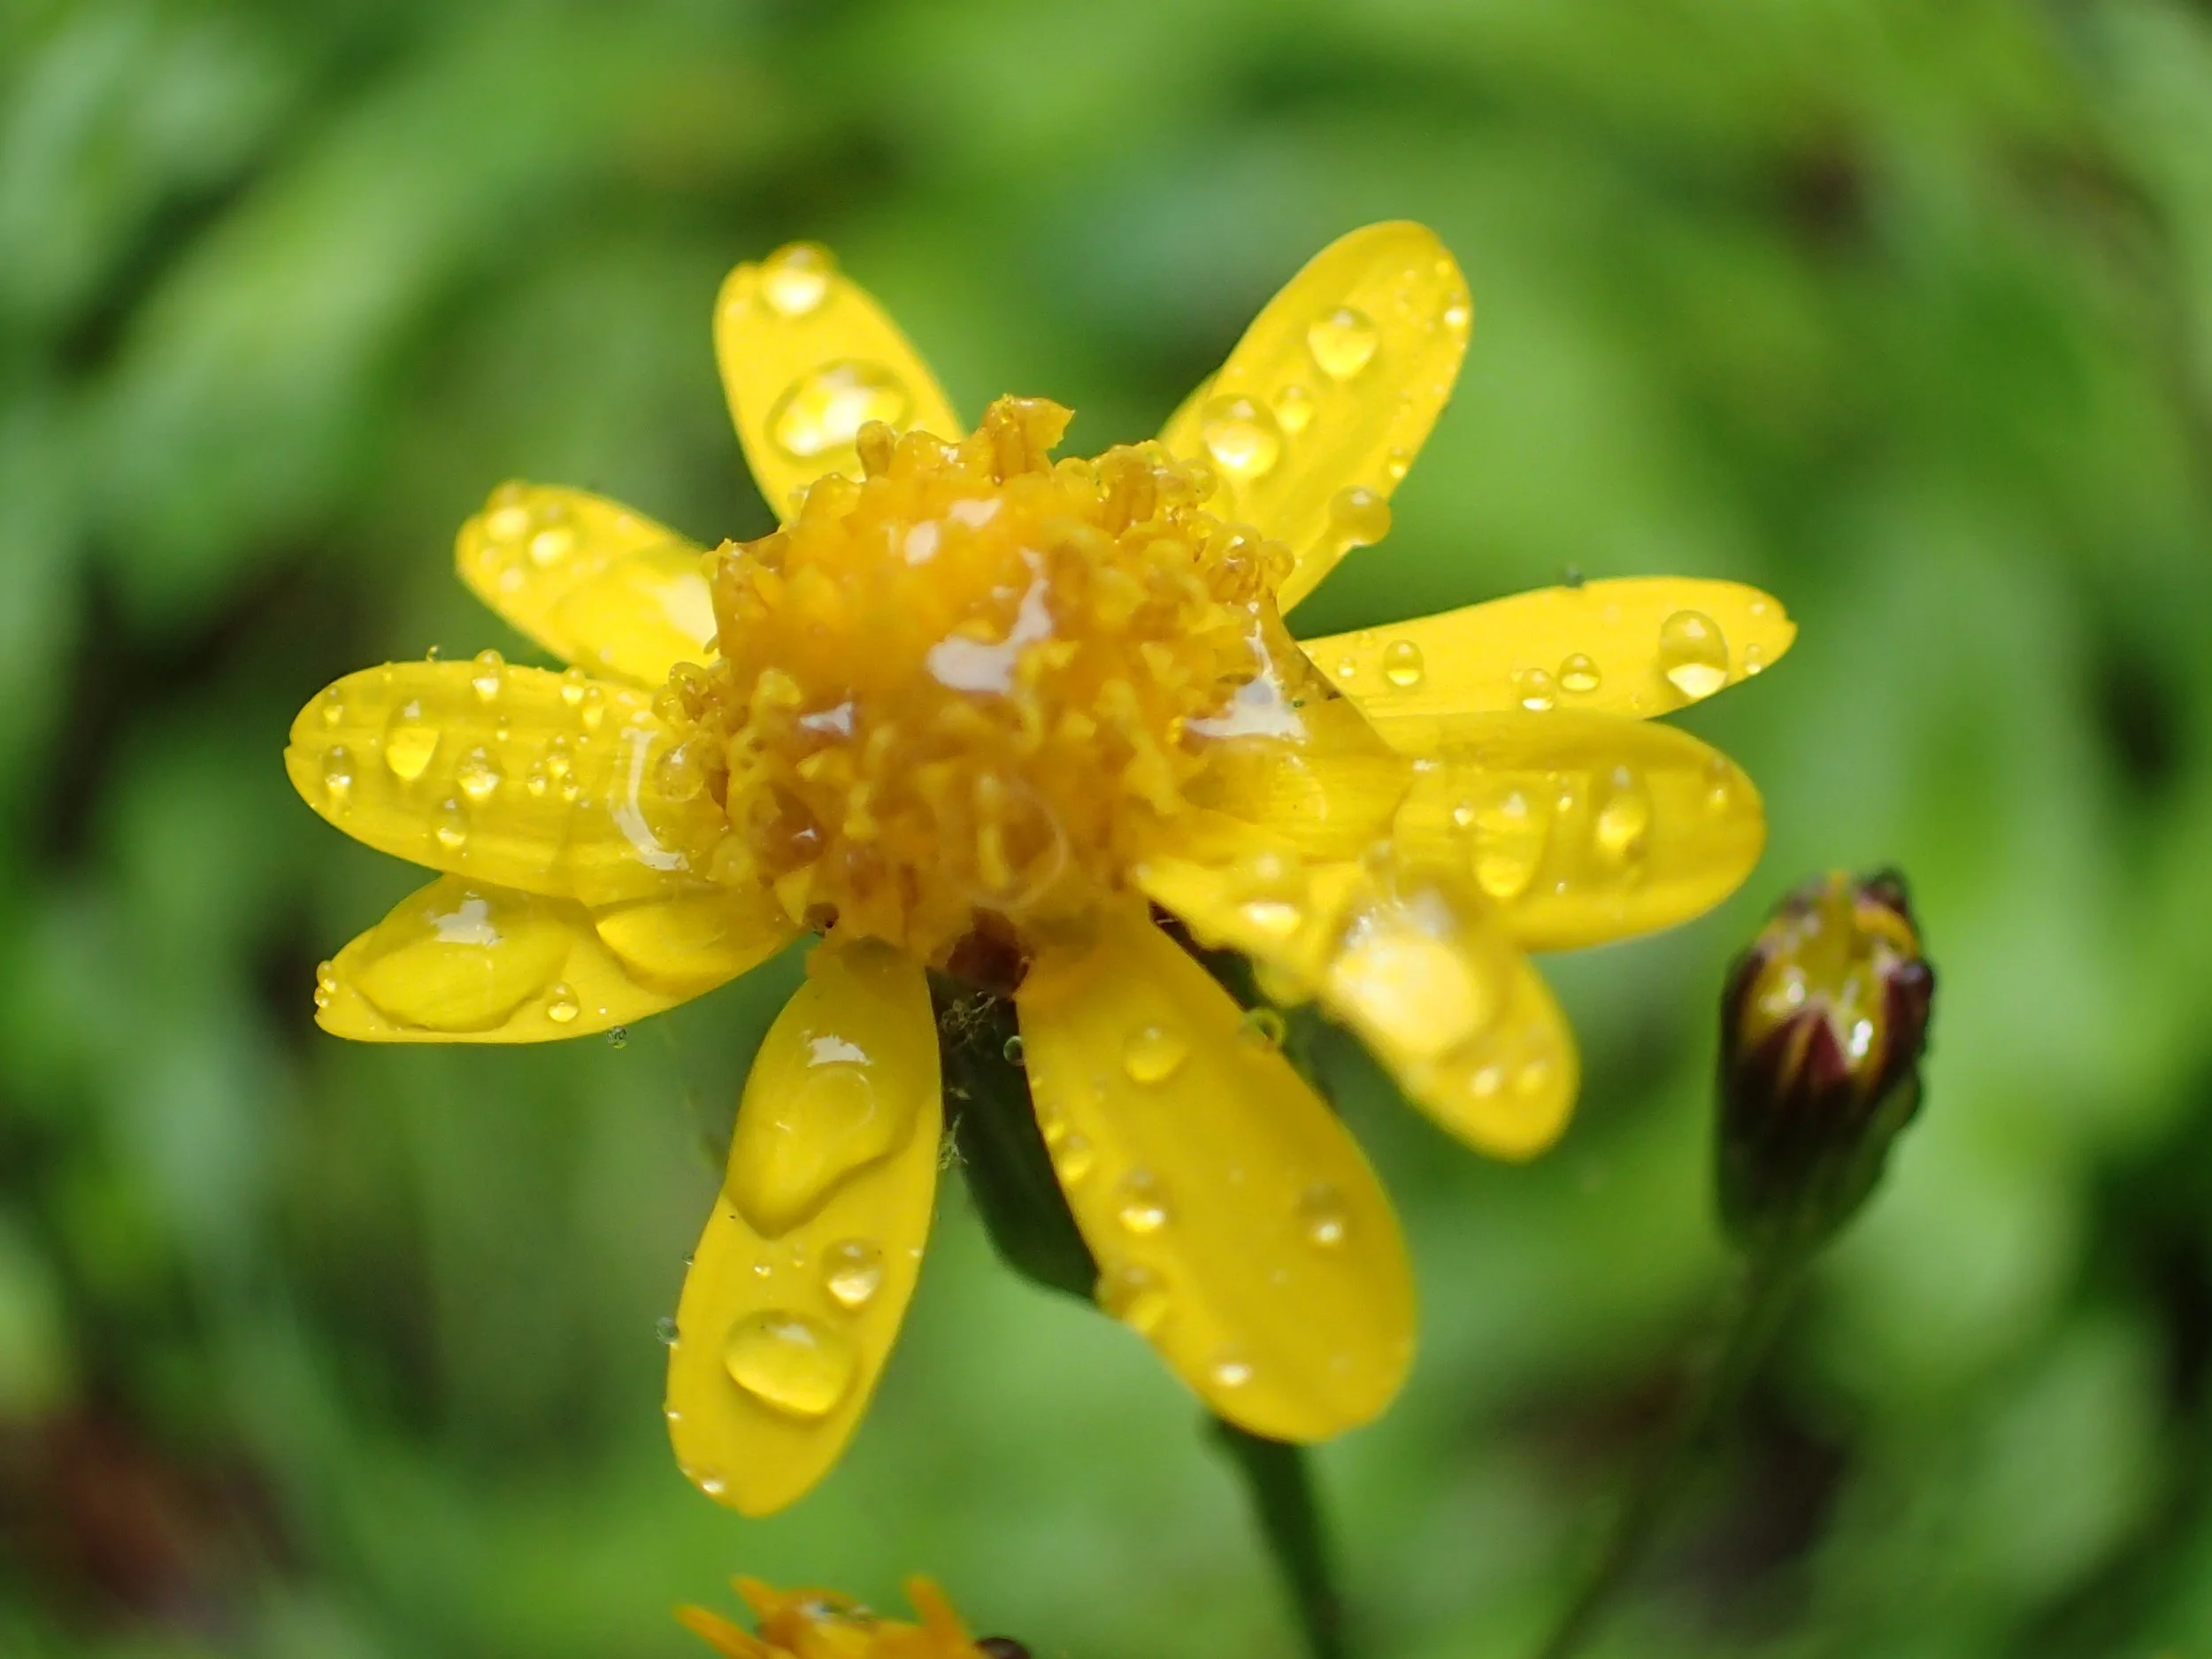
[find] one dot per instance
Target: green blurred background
(1899, 308)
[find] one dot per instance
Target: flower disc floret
(966, 691)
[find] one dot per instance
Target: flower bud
(1822, 1028)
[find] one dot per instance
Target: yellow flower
(823, 1625)
(976, 711)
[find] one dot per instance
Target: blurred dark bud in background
(1822, 1024)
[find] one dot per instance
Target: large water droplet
(787, 1362)
(1402, 664)
(795, 278)
(561, 1006)
(409, 742)
(825, 408)
(1241, 436)
(1579, 674)
(1342, 341)
(664, 1328)
(1359, 516)
(1535, 690)
(1693, 654)
(1134, 1295)
(1153, 1054)
(1141, 1202)
(488, 673)
(476, 775)
(1509, 844)
(852, 1272)
(814, 1114)
(1323, 1218)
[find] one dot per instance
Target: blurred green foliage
(1900, 308)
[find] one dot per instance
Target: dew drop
(1621, 822)
(1457, 315)
(618, 1037)
(1073, 1157)
(490, 673)
(1509, 845)
(852, 1272)
(664, 1328)
(1134, 1295)
(825, 409)
(1293, 409)
(1011, 1049)
(551, 545)
(1323, 1218)
(338, 774)
(1754, 660)
(449, 827)
(561, 1006)
(1693, 655)
(1342, 341)
(787, 1362)
(1264, 1027)
(1464, 815)
(333, 703)
(1141, 1202)
(325, 983)
(1153, 1054)
(1402, 664)
(1534, 690)
(1398, 462)
(573, 686)
(1241, 436)
(1579, 674)
(1230, 1369)
(1361, 517)
(476, 775)
(409, 742)
(794, 280)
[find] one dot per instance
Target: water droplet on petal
(795, 278)
(1624, 819)
(1323, 1216)
(1693, 655)
(1360, 517)
(1754, 660)
(1072, 1157)
(825, 409)
(338, 774)
(787, 1361)
(1293, 409)
(573, 686)
(1398, 462)
(1154, 1053)
(1533, 688)
(664, 1328)
(1342, 341)
(1509, 844)
(333, 703)
(1264, 1027)
(1241, 436)
(1402, 664)
(1230, 1369)
(325, 983)
(1457, 315)
(476, 775)
(1011, 1049)
(852, 1272)
(490, 673)
(561, 1006)
(551, 545)
(1134, 1295)
(409, 742)
(1142, 1202)
(1579, 674)
(449, 827)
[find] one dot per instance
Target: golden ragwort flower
(823, 1625)
(974, 710)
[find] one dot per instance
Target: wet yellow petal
(1235, 1222)
(1414, 959)
(590, 580)
(1331, 794)
(1585, 827)
(1641, 646)
(795, 1293)
(552, 783)
(464, 961)
(1321, 406)
(808, 358)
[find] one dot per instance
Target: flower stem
(1761, 1298)
(1280, 1486)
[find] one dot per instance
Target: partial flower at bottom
(823, 1625)
(975, 709)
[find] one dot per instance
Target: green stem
(1279, 1485)
(1761, 1300)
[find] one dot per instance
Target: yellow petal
(1321, 406)
(1585, 827)
(1330, 793)
(808, 358)
(1415, 960)
(1641, 646)
(552, 783)
(464, 961)
(590, 580)
(795, 1293)
(1235, 1222)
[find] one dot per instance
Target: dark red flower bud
(1822, 1029)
